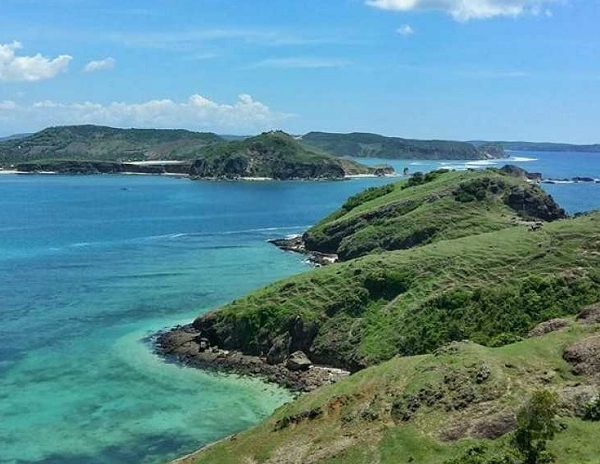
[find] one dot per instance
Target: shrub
(537, 425)
(592, 409)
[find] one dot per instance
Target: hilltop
(99, 143)
(378, 146)
(274, 155)
(439, 205)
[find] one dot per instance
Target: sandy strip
(154, 162)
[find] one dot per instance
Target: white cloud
(405, 30)
(464, 10)
(301, 62)
(100, 65)
(196, 113)
(29, 68)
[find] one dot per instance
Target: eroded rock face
(549, 326)
(590, 314)
(574, 399)
(584, 356)
(298, 361)
(531, 202)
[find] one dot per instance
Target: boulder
(590, 314)
(279, 349)
(203, 344)
(549, 326)
(298, 361)
(495, 425)
(584, 356)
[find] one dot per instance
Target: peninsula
(459, 296)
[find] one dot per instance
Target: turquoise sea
(91, 266)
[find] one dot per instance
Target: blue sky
(455, 69)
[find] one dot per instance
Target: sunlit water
(91, 266)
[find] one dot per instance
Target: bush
(537, 425)
(592, 409)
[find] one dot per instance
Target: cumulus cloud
(100, 65)
(196, 113)
(405, 30)
(29, 68)
(464, 10)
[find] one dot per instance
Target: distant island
(464, 313)
(105, 150)
(90, 149)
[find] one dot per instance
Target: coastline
(185, 344)
(186, 176)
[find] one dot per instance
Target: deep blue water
(90, 266)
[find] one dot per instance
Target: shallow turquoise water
(90, 266)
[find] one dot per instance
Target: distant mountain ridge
(369, 145)
(542, 146)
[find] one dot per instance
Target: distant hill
(542, 146)
(379, 146)
(101, 143)
(13, 137)
(274, 155)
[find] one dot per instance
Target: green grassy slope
(272, 154)
(379, 146)
(425, 409)
(437, 206)
(489, 288)
(105, 144)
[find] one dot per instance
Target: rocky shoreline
(185, 344)
(296, 244)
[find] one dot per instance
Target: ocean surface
(90, 267)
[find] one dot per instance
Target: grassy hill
(378, 146)
(437, 206)
(273, 154)
(446, 340)
(490, 288)
(100, 143)
(428, 409)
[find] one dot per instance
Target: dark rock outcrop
(549, 326)
(188, 345)
(533, 203)
(590, 314)
(584, 356)
(298, 361)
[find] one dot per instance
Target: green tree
(537, 425)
